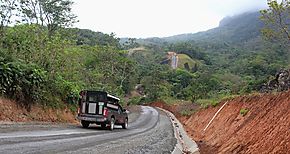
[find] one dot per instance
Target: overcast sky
(157, 18)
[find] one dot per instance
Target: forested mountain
(234, 58)
(237, 37)
(236, 29)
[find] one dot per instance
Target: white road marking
(42, 133)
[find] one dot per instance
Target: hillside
(247, 124)
(89, 37)
(235, 29)
(231, 59)
(184, 59)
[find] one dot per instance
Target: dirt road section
(247, 124)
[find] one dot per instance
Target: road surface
(149, 132)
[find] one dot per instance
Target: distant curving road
(151, 132)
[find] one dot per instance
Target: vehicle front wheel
(85, 124)
(112, 123)
(125, 125)
(103, 126)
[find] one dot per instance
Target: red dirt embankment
(11, 112)
(264, 129)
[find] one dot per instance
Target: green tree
(7, 8)
(130, 43)
(89, 37)
(6, 11)
(203, 85)
(50, 13)
(277, 21)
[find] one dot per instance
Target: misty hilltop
(235, 30)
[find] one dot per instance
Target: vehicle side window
(120, 110)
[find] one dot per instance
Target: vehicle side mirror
(126, 111)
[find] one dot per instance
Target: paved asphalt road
(150, 132)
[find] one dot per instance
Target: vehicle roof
(113, 97)
(108, 95)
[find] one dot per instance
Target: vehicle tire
(125, 125)
(85, 124)
(112, 124)
(103, 126)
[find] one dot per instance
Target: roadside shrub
(58, 92)
(215, 103)
(67, 90)
(21, 81)
(73, 108)
(135, 101)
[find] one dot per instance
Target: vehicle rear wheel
(125, 125)
(85, 124)
(112, 123)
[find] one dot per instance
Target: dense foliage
(43, 61)
(231, 59)
(21, 81)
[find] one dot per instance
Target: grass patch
(227, 97)
(214, 101)
(183, 58)
(244, 111)
(170, 100)
(205, 103)
(187, 112)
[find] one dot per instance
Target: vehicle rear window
(96, 96)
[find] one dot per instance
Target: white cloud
(233, 7)
(149, 18)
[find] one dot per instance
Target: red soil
(11, 112)
(264, 129)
